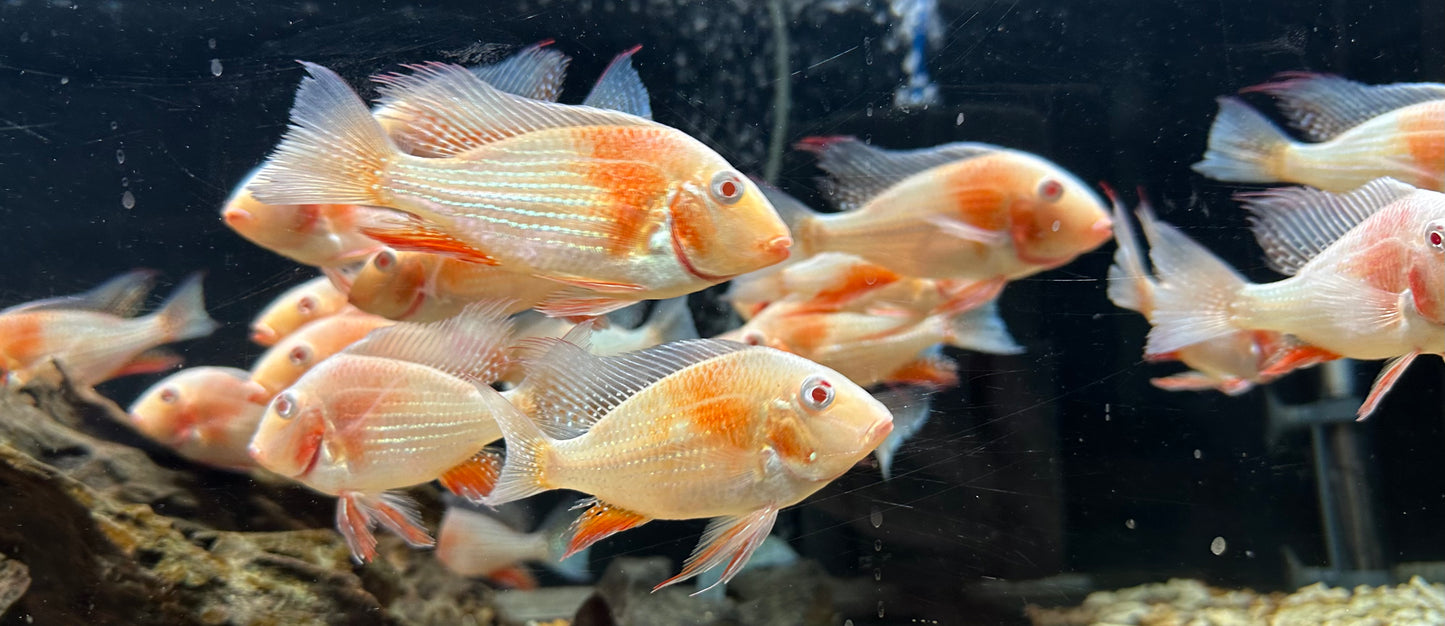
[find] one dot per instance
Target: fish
(122, 296)
(613, 205)
(671, 320)
(872, 349)
(691, 429)
(967, 211)
(94, 346)
(425, 287)
(330, 235)
(409, 404)
(204, 414)
(911, 407)
(1356, 133)
(473, 544)
(1232, 364)
(284, 363)
(1366, 279)
(296, 307)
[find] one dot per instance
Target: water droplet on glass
(880, 609)
(1129, 523)
(127, 200)
(124, 181)
(211, 43)
(877, 545)
(215, 67)
(958, 121)
(114, 125)
(120, 156)
(1249, 553)
(1198, 454)
(868, 112)
(65, 80)
(847, 622)
(1217, 546)
(876, 517)
(877, 575)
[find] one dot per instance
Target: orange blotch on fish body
(855, 282)
(977, 192)
(22, 338)
(787, 437)
(624, 163)
(1425, 143)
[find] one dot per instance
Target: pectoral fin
(1384, 382)
(727, 539)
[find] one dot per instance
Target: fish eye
(169, 395)
(1050, 190)
(816, 393)
(300, 355)
(1435, 234)
(285, 405)
(307, 305)
(384, 260)
(727, 187)
(754, 338)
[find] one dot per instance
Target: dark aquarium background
(125, 124)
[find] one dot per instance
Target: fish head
(284, 363)
(1427, 273)
(723, 226)
(289, 437)
(824, 423)
(392, 284)
(1054, 216)
(295, 308)
(166, 411)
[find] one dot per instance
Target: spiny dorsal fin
(571, 388)
(1322, 106)
(444, 110)
(859, 171)
(472, 345)
(121, 296)
(535, 72)
(1295, 224)
(620, 88)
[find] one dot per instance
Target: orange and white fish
(1357, 132)
(296, 307)
(1366, 279)
(284, 363)
(690, 429)
(205, 414)
(425, 287)
(330, 235)
(613, 205)
(408, 404)
(873, 348)
(967, 211)
(94, 345)
(1232, 364)
(474, 544)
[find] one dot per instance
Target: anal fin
(1199, 381)
(1290, 359)
(514, 577)
(474, 478)
(149, 362)
(1384, 382)
(599, 521)
(730, 540)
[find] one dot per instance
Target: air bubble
(1218, 546)
(114, 125)
(124, 181)
(211, 43)
(215, 67)
(877, 575)
(958, 121)
(1198, 454)
(120, 156)
(127, 200)
(877, 545)
(65, 80)
(876, 517)
(880, 609)
(1130, 524)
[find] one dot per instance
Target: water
(1061, 461)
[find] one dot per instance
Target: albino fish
(613, 205)
(297, 306)
(425, 287)
(330, 235)
(690, 429)
(285, 362)
(1366, 279)
(1357, 132)
(121, 296)
(967, 211)
(671, 320)
(408, 404)
(474, 544)
(205, 414)
(95, 345)
(1232, 364)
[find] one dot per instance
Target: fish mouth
(878, 432)
(689, 267)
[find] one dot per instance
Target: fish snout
(1102, 229)
(236, 218)
(879, 431)
(264, 335)
(777, 247)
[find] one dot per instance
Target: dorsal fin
(1295, 224)
(472, 345)
(1322, 106)
(121, 296)
(571, 388)
(859, 171)
(620, 88)
(444, 110)
(535, 72)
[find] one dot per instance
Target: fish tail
(335, 152)
(184, 315)
(1130, 286)
(525, 468)
(982, 330)
(1244, 147)
(1196, 293)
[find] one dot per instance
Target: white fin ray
(471, 345)
(1130, 285)
(463, 112)
(121, 296)
(910, 407)
(1296, 224)
(535, 72)
(1322, 106)
(859, 171)
(731, 540)
(621, 89)
(1194, 293)
(981, 329)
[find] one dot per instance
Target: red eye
(727, 187)
(384, 260)
(754, 338)
(299, 355)
(169, 395)
(1051, 190)
(285, 405)
(1437, 239)
(307, 305)
(816, 393)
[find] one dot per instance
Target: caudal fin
(334, 152)
(184, 315)
(1244, 147)
(982, 330)
(1195, 290)
(524, 470)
